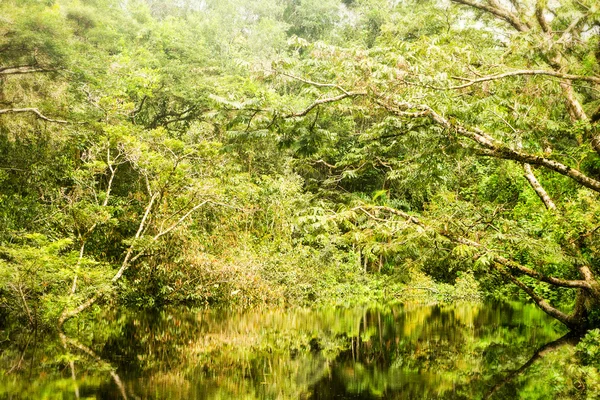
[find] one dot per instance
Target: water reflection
(400, 352)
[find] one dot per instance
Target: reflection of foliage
(588, 350)
(441, 351)
(410, 351)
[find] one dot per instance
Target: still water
(461, 351)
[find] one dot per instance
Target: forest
(257, 155)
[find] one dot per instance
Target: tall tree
(455, 112)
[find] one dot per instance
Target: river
(459, 351)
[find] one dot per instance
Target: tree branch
(312, 83)
(491, 147)
(495, 9)
(141, 227)
(580, 284)
(540, 7)
(180, 220)
(324, 101)
(36, 112)
(23, 69)
(521, 72)
(538, 188)
(128, 260)
(124, 265)
(568, 320)
(530, 176)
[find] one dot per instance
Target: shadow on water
(460, 351)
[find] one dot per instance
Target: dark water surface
(462, 351)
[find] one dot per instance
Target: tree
(528, 80)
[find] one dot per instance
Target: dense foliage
(271, 151)
(304, 152)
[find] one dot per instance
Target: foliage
(297, 152)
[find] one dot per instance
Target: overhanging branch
(520, 72)
(498, 11)
(502, 265)
(490, 146)
(541, 302)
(511, 265)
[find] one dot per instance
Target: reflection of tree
(67, 341)
(568, 339)
(442, 351)
(438, 351)
(18, 365)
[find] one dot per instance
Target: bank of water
(406, 351)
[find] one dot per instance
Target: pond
(460, 351)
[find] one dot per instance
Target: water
(462, 351)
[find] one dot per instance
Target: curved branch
(34, 111)
(324, 101)
(491, 146)
(498, 11)
(511, 265)
(312, 83)
(521, 72)
(566, 319)
(569, 338)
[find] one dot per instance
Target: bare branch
(34, 111)
(321, 161)
(65, 315)
(180, 220)
(141, 227)
(129, 259)
(77, 266)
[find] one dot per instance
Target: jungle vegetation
(249, 152)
